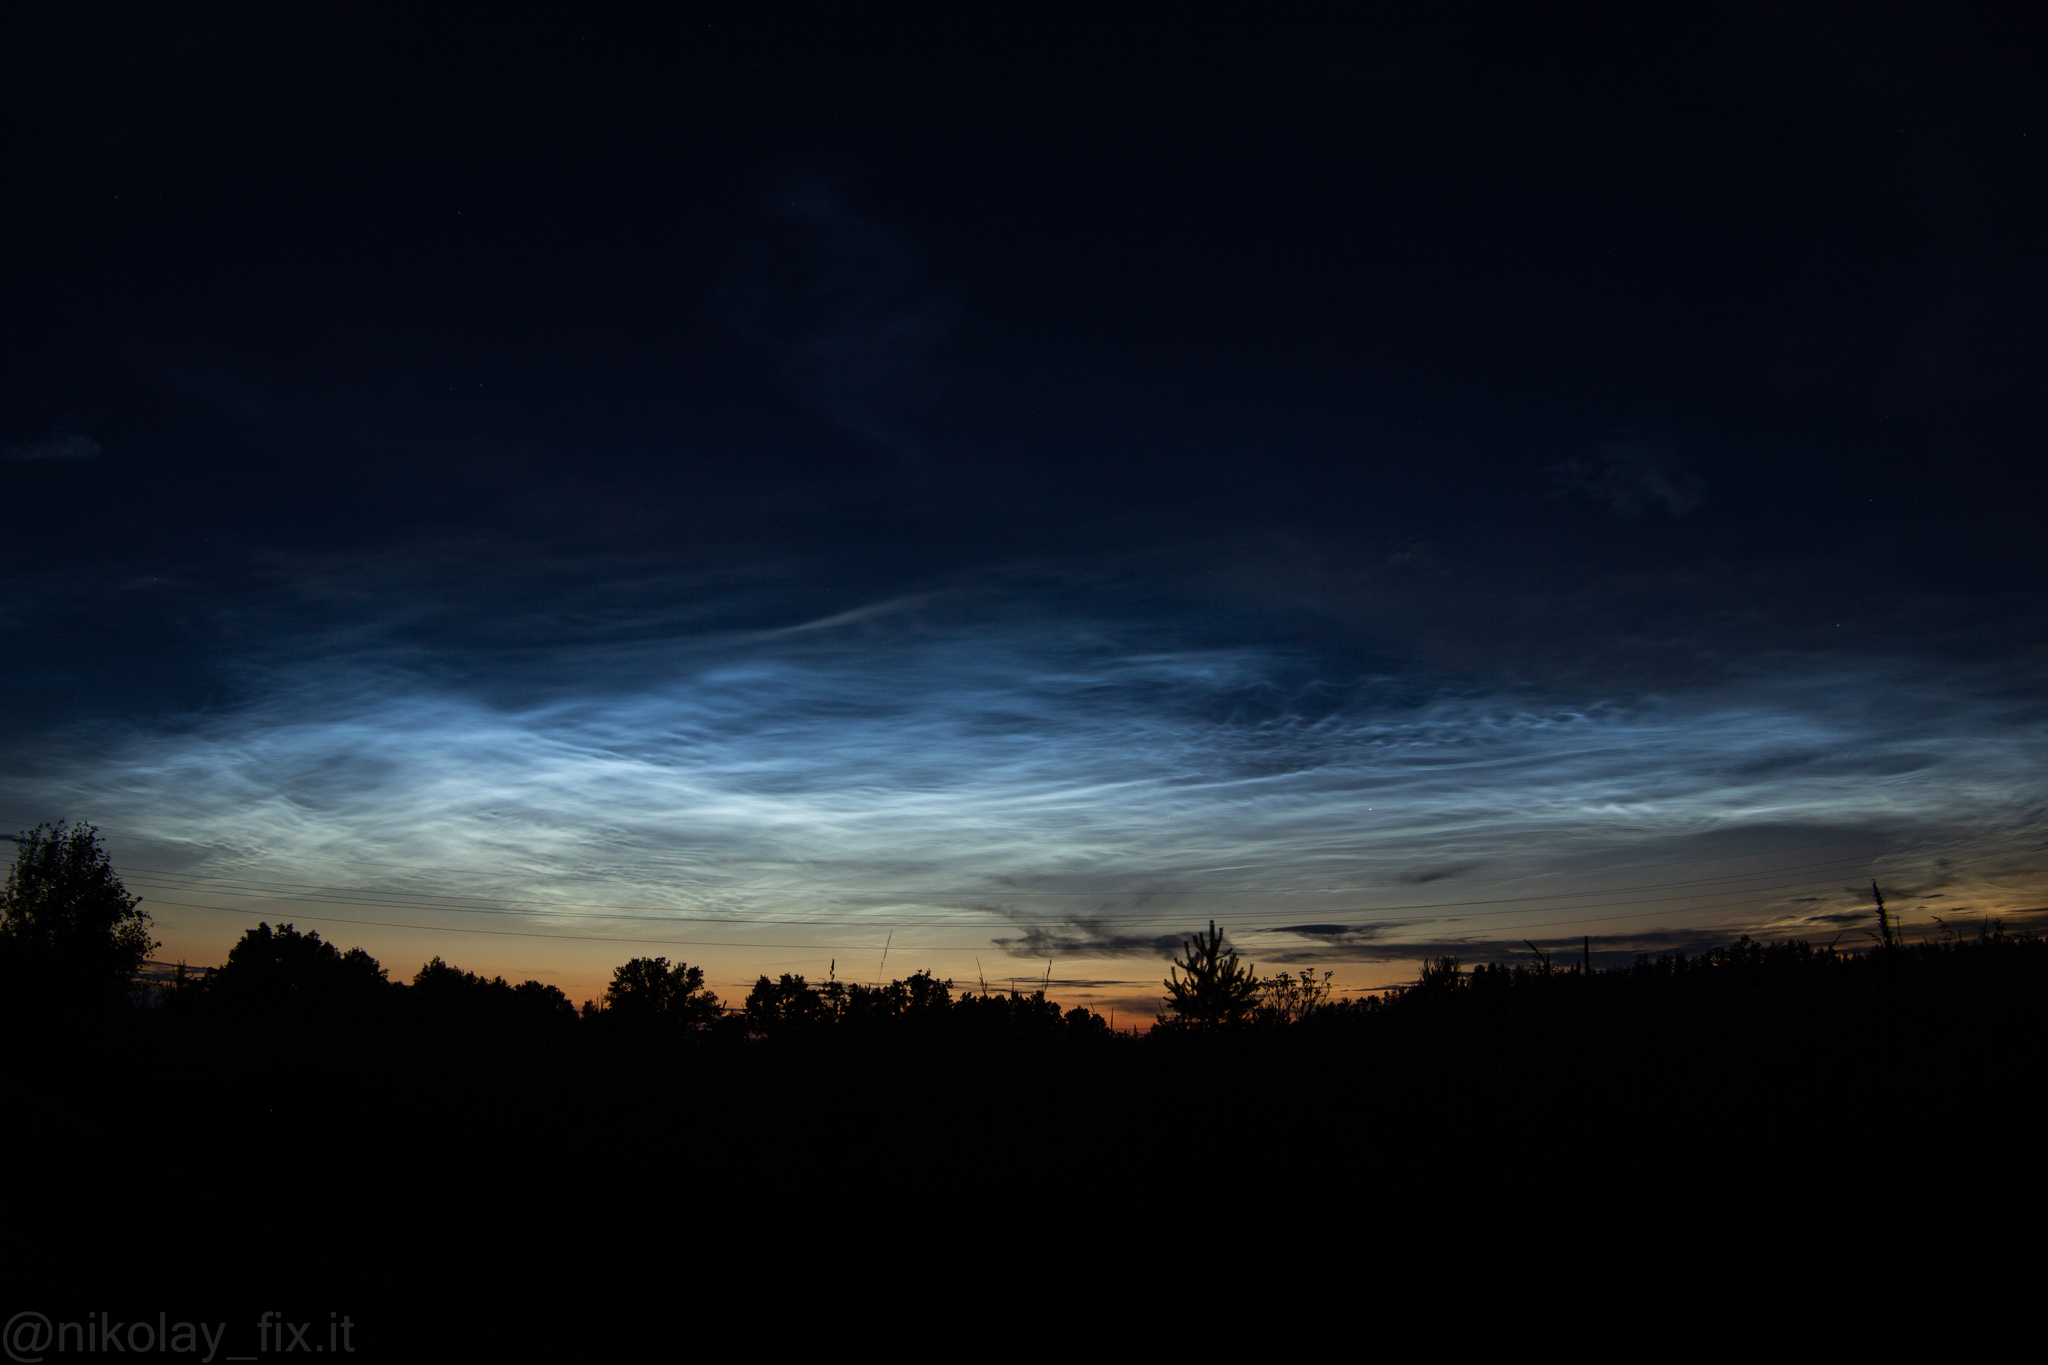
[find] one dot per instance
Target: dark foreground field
(410, 1155)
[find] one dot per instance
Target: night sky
(998, 488)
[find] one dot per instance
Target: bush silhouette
(920, 1007)
(1285, 999)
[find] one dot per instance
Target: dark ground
(442, 1178)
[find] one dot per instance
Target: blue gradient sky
(783, 494)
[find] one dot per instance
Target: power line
(938, 921)
(1025, 892)
(515, 933)
(815, 862)
(392, 900)
(819, 947)
(1734, 898)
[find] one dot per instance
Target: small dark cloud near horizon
(1334, 942)
(1092, 938)
(1608, 949)
(1026, 982)
(1632, 477)
(1424, 876)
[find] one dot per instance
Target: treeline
(72, 939)
(1869, 1009)
(1956, 1002)
(279, 976)
(282, 977)
(1884, 1001)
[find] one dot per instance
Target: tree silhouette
(447, 995)
(790, 1004)
(68, 929)
(283, 973)
(537, 1003)
(649, 991)
(1886, 936)
(1217, 993)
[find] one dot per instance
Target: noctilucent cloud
(862, 497)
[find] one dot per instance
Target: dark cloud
(1131, 1008)
(62, 445)
(1333, 943)
(838, 297)
(1436, 874)
(1632, 477)
(1358, 68)
(1088, 939)
(1027, 982)
(1609, 950)
(1413, 555)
